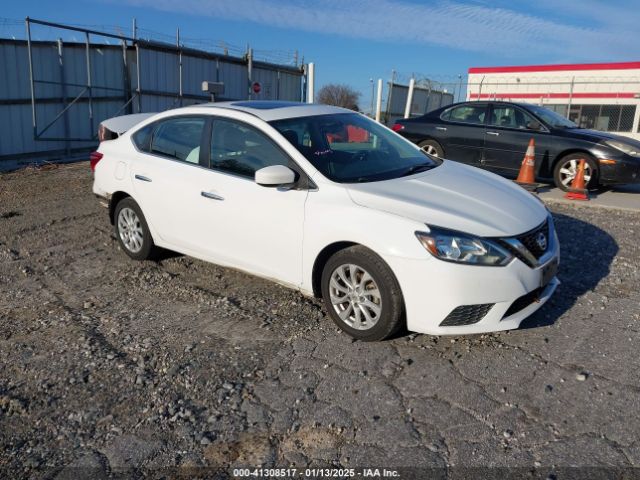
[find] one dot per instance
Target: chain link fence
(606, 103)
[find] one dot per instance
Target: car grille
(523, 302)
(530, 240)
(466, 315)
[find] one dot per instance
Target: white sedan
(326, 201)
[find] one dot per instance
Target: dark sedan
(495, 135)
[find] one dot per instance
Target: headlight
(624, 147)
(462, 248)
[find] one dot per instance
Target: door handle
(493, 133)
(211, 196)
(143, 178)
(443, 129)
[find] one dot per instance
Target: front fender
(332, 217)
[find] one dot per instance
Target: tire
(132, 230)
(566, 168)
(432, 147)
(360, 318)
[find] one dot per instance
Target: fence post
(126, 80)
(573, 79)
(179, 65)
(89, 84)
(311, 80)
(138, 89)
(67, 146)
(387, 114)
(379, 100)
(31, 82)
(372, 95)
(480, 88)
(250, 69)
(407, 107)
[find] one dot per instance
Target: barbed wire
(490, 79)
(15, 29)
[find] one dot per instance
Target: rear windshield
(350, 148)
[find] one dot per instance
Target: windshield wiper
(417, 168)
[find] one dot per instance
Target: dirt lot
(112, 367)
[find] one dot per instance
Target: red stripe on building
(487, 96)
(558, 68)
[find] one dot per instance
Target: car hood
(597, 136)
(456, 197)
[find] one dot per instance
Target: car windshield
(552, 118)
(350, 148)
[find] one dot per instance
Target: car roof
(268, 110)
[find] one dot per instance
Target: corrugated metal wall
(424, 100)
(61, 78)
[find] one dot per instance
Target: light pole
(371, 110)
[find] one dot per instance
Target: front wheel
(132, 230)
(362, 295)
(567, 168)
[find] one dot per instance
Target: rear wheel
(132, 230)
(432, 148)
(362, 295)
(567, 168)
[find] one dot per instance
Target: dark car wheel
(362, 295)
(432, 148)
(567, 167)
(132, 230)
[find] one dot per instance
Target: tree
(339, 95)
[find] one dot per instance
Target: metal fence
(53, 94)
(425, 98)
(598, 102)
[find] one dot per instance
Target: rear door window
(179, 138)
(142, 138)
(466, 114)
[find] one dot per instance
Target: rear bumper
(433, 289)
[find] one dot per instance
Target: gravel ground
(111, 367)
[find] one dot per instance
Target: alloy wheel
(569, 170)
(431, 150)
(355, 296)
(130, 230)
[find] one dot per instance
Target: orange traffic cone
(527, 176)
(578, 190)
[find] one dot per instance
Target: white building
(602, 96)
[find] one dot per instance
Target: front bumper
(432, 289)
(626, 169)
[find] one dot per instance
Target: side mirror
(275, 176)
(533, 125)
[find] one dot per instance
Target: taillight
(397, 127)
(94, 158)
